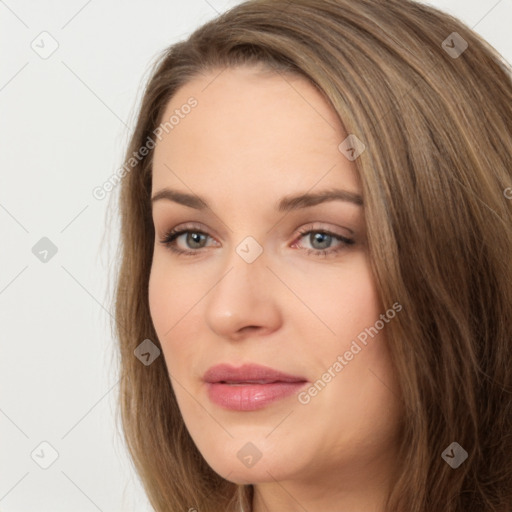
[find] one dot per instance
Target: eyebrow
(287, 203)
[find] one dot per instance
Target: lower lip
(250, 397)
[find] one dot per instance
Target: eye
(321, 241)
(195, 239)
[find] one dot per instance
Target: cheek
(169, 293)
(159, 294)
(172, 296)
(346, 322)
(342, 300)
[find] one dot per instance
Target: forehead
(251, 129)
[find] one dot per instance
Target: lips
(249, 387)
(249, 373)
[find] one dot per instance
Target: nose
(245, 300)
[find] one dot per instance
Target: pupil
(195, 237)
(319, 236)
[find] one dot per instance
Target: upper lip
(250, 373)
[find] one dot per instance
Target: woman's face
(288, 287)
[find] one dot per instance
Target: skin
(252, 139)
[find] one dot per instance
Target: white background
(65, 121)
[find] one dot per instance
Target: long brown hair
(435, 116)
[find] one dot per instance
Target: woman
(315, 294)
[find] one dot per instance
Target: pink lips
(249, 387)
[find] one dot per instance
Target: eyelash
(170, 237)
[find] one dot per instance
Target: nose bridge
(246, 267)
(241, 297)
(249, 250)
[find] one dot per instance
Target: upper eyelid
(357, 221)
(300, 232)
